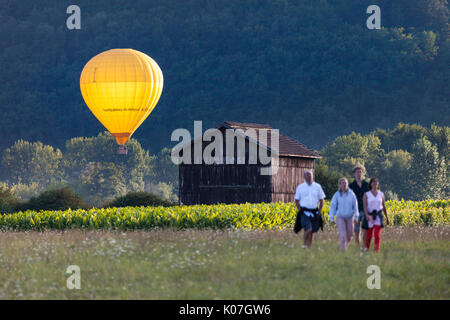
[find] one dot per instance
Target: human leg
(358, 229)
(342, 229)
(307, 227)
(364, 227)
(349, 227)
(307, 238)
(368, 238)
(310, 239)
(357, 238)
(377, 235)
(364, 235)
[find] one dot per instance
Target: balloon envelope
(121, 87)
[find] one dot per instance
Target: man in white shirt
(309, 198)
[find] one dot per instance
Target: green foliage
(391, 195)
(428, 175)
(165, 170)
(89, 156)
(407, 162)
(163, 180)
(8, 202)
(163, 190)
(401, 137)
(90, 166)
(26, 191)
(58, 199)
(167, 191)
(256, 61)
(245, 216)
(100, 182)
(345, 152)
(27, 163)
(440, 136)
(394, 172)
(137, 199)
(327, 178)
(416, 14)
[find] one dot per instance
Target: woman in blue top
(344, 206)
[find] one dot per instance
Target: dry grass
(329, 233)
(227, 264)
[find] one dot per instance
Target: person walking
(374, 204)
(359, 187)
(344, 206)
(309, 198)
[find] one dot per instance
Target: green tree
(440, 136)
(402, 137)
(99, 183)
(428, 173)
(31, 162)
(394, 172)
(165, 170)
(102, 150)
(345, 152)
(137, 199)
(163, 178)
(55, 199)
(8, 201)
(327, 178)
(164, 190)
(416, 14)
(26, 191)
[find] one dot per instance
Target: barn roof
(287, 146)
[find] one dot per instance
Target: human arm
(385, 210)
(333, 208)
(297, 204)
(355, 208)
(366, 213)
(321, 199)
(320, 206)
(297, 198)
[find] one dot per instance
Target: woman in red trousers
(374, 206)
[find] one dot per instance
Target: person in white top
(374, 204)
(309, 198)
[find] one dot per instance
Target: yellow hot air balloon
(121, 87)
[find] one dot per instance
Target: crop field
(247, 216)
(222, 264)
(244, 251)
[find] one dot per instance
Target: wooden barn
(239, 183)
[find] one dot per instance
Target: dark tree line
(88, 166)
(311, 69)
(411, 162)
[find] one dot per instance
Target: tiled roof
(287, 146)
(236, 125)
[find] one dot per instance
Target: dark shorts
(362, 222)
(309, 223)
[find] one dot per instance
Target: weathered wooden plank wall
(209, 184)
(288, 177)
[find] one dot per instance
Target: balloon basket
(122, 150)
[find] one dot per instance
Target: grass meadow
(222, 264)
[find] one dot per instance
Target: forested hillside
(310, 68)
